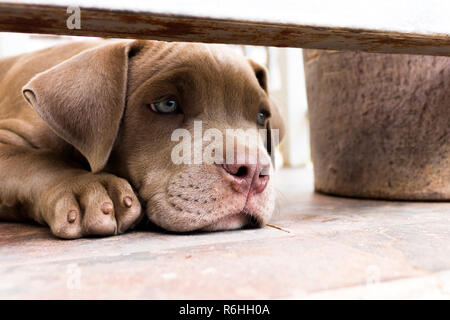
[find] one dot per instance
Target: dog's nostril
(242, 172)
(236, 170)
(265, 171)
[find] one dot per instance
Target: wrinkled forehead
(209, 64)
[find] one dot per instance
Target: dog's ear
(83, 98)
(276, 120)
(260, 73)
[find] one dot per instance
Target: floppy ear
(83, 99)
(260, 73)
(275, 120)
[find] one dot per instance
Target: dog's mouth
(239, 220)
(207, 204)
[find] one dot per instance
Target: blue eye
(165, 106)
(260, 118)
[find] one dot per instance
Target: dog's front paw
(90, 205)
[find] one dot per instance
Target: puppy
(86, 137)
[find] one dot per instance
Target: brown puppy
(85, 137)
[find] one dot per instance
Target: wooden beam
(120, 23)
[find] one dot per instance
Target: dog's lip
(250, 220)
(254, 220)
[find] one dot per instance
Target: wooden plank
(119, 22)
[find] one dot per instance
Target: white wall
(15, 43)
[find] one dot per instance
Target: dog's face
(173, 86)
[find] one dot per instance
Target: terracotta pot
(380, 124)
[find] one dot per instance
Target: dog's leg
(38, 184)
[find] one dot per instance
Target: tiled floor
(318, 247)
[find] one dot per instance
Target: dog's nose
(248, 177)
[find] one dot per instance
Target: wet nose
(248, 177)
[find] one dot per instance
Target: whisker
(277, 227)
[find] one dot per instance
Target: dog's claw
(107, 208)
(127, 201)
(72, 216)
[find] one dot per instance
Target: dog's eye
(165, 106)
(260, 118)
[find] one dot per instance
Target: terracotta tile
(332, 245)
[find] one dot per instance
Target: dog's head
(161, 115)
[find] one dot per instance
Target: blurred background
(286, 84)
